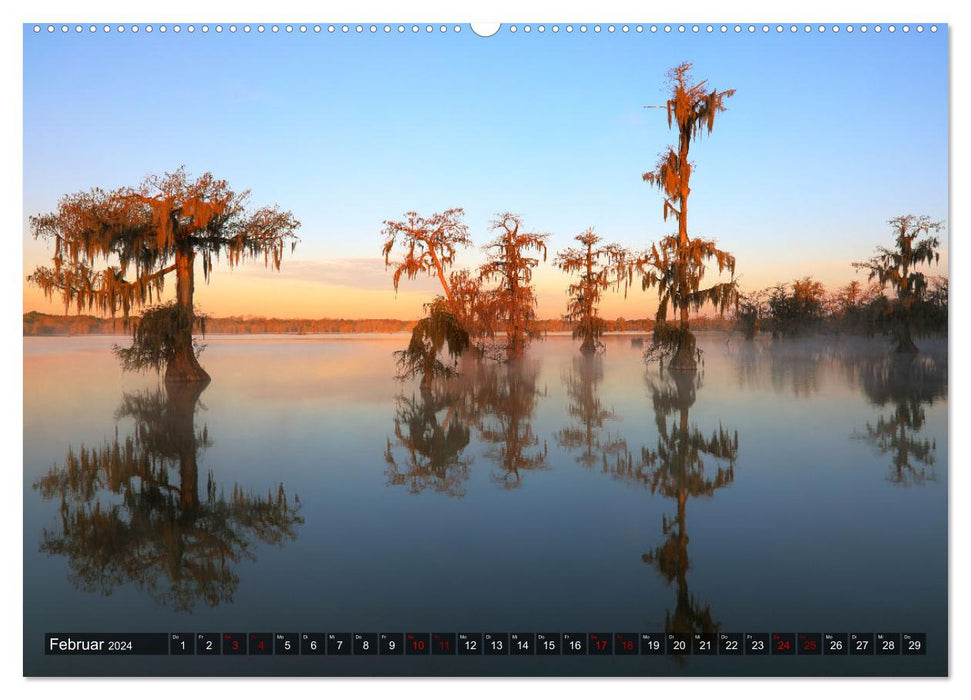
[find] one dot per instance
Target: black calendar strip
(488, 644)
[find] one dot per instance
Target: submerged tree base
(440, 331)
(674, 344)
(184, 368)
(590, 346)
(686, 356)
(905, 339)
(162, 337)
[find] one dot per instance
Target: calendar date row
(491, 644)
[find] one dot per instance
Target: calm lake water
(788, 487)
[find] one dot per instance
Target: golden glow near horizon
(361, 288)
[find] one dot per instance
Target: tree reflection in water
(433, 447)
(586, 432)
(125, 519)
(684, 464)
(904, 383)
(433, 430)
(506, 397)
(793, 366)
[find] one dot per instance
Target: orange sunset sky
(362, 288)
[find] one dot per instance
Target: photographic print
(529, 349)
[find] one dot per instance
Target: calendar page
(522, 349)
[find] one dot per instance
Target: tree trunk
(441, 278)
(684, 356)
(427, 374)
(588, 346)
(515, 335)
(184, 367)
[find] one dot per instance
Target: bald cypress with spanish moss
(429, 244)
(510, 265)
(915, 244)
(144, 233)
(677, 264)
(597, 266)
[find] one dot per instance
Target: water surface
(786, 487)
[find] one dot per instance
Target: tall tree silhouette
(914, 245)
(511, 266)
(676, 266)
(597, 267)
(131, 510)
(143, 234)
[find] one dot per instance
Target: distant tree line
(804, 307)
(36, 323)
(899, 301)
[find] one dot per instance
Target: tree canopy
(138, 231)
(914, 245)
(597, 267)
(429, 244)
(142, 234)
(511, 266)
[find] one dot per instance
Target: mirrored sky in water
(788, 486)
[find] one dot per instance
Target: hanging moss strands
(908, 314)
(439, 331)
(430, 244)
(510, 265)
(676, 266)
(142, 234)
(598, 267)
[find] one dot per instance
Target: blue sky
(828, 136)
